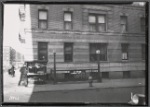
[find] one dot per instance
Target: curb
(88, 88)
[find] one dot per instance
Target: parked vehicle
(37, 70)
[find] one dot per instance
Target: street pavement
(11, 88)
(102, 95)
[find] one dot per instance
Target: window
(97, 23)
(92, 22)
(67, 20)
(124, 51)
(43, 24)
(68, 52)
(42, 51)
(142, 24)
(103, 51)
(143, 51)
(123, 23)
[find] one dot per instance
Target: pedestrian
(23, 75)
(11, 71)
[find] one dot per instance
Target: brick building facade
(75, 32)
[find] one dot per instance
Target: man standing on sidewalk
(23, 75)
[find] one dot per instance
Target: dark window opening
(103, 51)
(68, 52)
(42, 51)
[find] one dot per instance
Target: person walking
(23, 75)
(11, 71)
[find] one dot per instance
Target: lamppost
(54, 53)
(98, 62)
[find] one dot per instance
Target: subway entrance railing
(73, 75)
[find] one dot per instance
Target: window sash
(98, 46)
(124, 51)
(124, 47)
(124, 56)
(101, 19)
(92, 19)
(123, 27)
(67, 17)
(67, 20)
(102, 27)
(43, 45)
(68, 52)
(42, 57)
(42, 24)
(97, 22)
(123, 23)
(42, 15)
(93, 57)
(68, 25)
(68, 57)
(92, 27)
(42, 51)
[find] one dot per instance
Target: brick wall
(55, 35)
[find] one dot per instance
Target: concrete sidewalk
(106, 83)
(11, 85)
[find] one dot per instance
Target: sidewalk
(11, 85)
(106, 83)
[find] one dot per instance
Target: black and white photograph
(75, 53)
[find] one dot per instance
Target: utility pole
(55, 80)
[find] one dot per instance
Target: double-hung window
(124, 51)
(92, 22)
(67, 20)
(42, 51)
(142, 24)
(103, 51)
(97, 22)
(68, 52)
(43, 19)
(123, 23)
(101, 23)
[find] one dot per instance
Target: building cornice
(97, 7)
